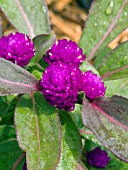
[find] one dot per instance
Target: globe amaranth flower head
(60, 85)
(65, 51)
(98, 158)
(93, 86)
(17, 48)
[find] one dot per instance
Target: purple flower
(65, 51)
(92, 85)
(24, 166)
(17, 48)
(98, 158)
(60, 85)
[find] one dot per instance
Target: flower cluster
(65, 51)
(60, 84)
(17, 48)
(98, 158)
(62, 80)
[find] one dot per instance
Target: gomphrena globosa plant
(60, 105)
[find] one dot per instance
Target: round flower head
(92, 85)
(98, 158)
(17, 48)
(65, 51)
(60, 85)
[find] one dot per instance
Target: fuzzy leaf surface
(115, 64)
(71, 143)
(118, 87)
(42, 44)
(15, 80)
(38, 131)
(107, 118)
(106, 20)
(29, 17)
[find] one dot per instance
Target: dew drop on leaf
(109, 8)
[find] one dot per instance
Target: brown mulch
(67, 18)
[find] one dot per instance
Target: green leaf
(7, 109)
(115, 64)
(35, 70)
(106, 20)
(3, 106)
(71, 143)
(42, 44)
(118, 87)
(29, 17)
(7, 133)
(100, 56)
(107, 118)
(9, 149)
(15, 80)
(88, 135)
(85, 66)
(38, 131)
(76, 115)
(7, 119)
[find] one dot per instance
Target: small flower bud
(98, 158)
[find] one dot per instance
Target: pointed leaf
(9, 149)
(15, 80)
(38, 131)
(71, 143)
(106, 20)
(115, 64)
(107, 118)
(29, 17)
(42, 44)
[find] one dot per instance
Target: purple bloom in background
(93, 86)
(24, 166)
(98, 158)
(65, 51)
(17, 48)
(60, 85)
